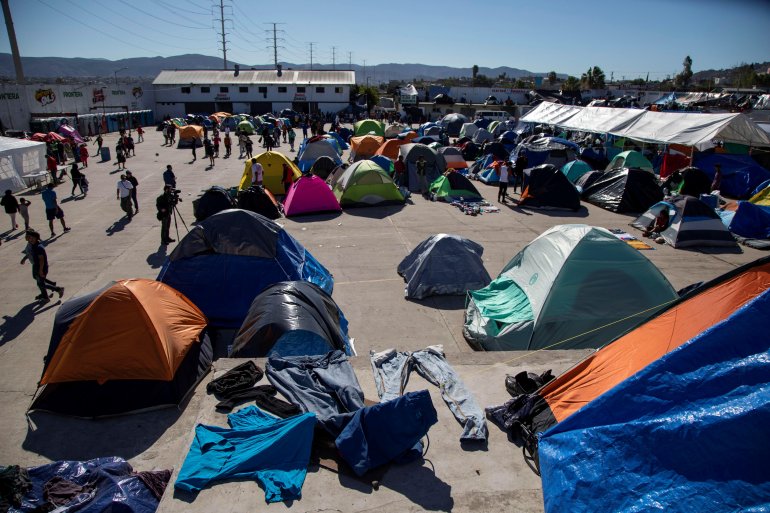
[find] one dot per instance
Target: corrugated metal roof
(212, 77)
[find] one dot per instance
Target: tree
(571, 84)
(552, 77)
(475, 71)
(683, 78)
(593, 78)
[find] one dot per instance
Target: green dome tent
(630, 159)
(451, 186)
(246, 127)
(575, 169)
(365, 184)
(573, 287)
(367, 126)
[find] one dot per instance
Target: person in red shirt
(288, 178)
(139, 134)
(51, 165)
(399, 168)
(84, 155)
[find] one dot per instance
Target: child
(24, 204)
(292, 136)
(35, 252)
(228, 144)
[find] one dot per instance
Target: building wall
(19, 103)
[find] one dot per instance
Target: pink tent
(308, 195)
(68, 131)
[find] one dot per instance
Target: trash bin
(105, 154)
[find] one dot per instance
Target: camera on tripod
(174, 196)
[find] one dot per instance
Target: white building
(253, 92)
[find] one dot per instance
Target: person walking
(195, 156)
(399, 170)
(139, 134)
(249, 145)
(216, 140)
(228, 145)
(502, 190)
(135, 183)
(121, 155)
(84, 154)
(52, 209)
(241, 144)
(99, 142)
(38, 257)
(11, 206)
(24, 204)
(123, 193)
(292, 137)
(268, 142)
(165, 205)
(518, 171)
(421, 176)
(76, 177)
(51, 166)
(208, 149)
(169, 178)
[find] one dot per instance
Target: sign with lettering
(118, 92)
(9, 96)
(45, 96)
(299, 97)
(222, 97)
(72, 94)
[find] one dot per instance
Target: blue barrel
(105, 154)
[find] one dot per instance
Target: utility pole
(12, 40)
(350, 60)
(334, 57)
(364, 67)
(311, 55)
(222, 21)
(275, 46)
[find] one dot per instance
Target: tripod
(175, 212)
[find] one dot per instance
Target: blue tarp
(740, 173)
(687, 433)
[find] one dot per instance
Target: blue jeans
(323, 384)
(391, 374)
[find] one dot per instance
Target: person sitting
(657, 225)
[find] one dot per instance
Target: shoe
(67, 229)
(170, 240)
(40, 296)
(53, 234)
(60, 291)
(45, 300)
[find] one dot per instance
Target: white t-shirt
(256, 173)
(503, 173)
(124, 188)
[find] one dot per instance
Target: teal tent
(575, 169)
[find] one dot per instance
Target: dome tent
(308, 195)
(628, 159)
(272, 167)
(133, 345)
(575, 285)
(547, 187)
(451, 186)
(313, 151)
(259, 200)
(368, 126)
(212, 201)
(443, 264)
(365, 184)
(622, 190)
(575, 169)
(365, 146)
(293, 318)
(189, 136)
(434, 163)
(225, 261)
(323, 166)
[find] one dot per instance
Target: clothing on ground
(264, 396)
(381, 433)
(241, 377)
(391, 374)
(323, 384)
(275, 452)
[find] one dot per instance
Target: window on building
(263, 90)
(320, 89)
(205, 89)
(281, 89)
(224, 89)
(338, 90)
(185, 90)
(243, 89)
(300, 89)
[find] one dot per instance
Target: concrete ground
(362, 249)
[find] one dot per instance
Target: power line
(175, 11)
(161, 19)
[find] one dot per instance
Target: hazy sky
(627, 38)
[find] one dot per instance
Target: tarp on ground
(443, 264)
(292, 318)
(310, 194)
(623, 190)
(685, 433)
(691, 223)
(19, 157)
(574, 286)
(225, 261)
(272, 171)
(132, 345)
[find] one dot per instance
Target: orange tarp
(390, 148)
(136, 329)
(632, 352)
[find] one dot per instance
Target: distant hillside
(149, 67)
(709, 74)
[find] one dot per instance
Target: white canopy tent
(686, 128)
(19, 158)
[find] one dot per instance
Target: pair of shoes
(67, 229)
(60, 291)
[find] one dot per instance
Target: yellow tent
(272, 164)
(762, 198)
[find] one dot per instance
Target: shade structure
(293, 318)
(574, 286)
(310, 194)
(132, 345)
(443, 264)
(225, 261)
(365, 184)
(272, 166)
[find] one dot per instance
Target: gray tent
(434, 163)
(443, 264)
(452, 123)
(482, 135)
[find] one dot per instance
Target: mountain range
(148, 68)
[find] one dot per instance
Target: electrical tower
(311, 54)
(221, 30)
(275, 45)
